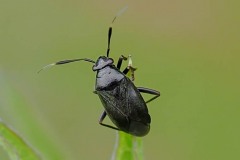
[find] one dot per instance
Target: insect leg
(149, 91)
(126, 70)
(129, 68)
(102, 117)
(121, 58)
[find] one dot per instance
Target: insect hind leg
(102, 117)
(149, 91)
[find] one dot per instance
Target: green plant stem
(128, 147)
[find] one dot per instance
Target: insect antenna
(66, 61)
(110, 28)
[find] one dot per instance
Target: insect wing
(124, 103)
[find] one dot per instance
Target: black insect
(122, 100)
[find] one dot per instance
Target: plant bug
(122, 100)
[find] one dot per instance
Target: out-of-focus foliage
(15, 146)
(188, 50)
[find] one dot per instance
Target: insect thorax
(107, 78)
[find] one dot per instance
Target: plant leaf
(14, 145)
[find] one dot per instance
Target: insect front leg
(119, 64)
(102, 117)
(149, 91)
(121, 58)
(130, 69)
(126, 70)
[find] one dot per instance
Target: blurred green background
(188, 50)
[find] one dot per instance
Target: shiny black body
(122, 101)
